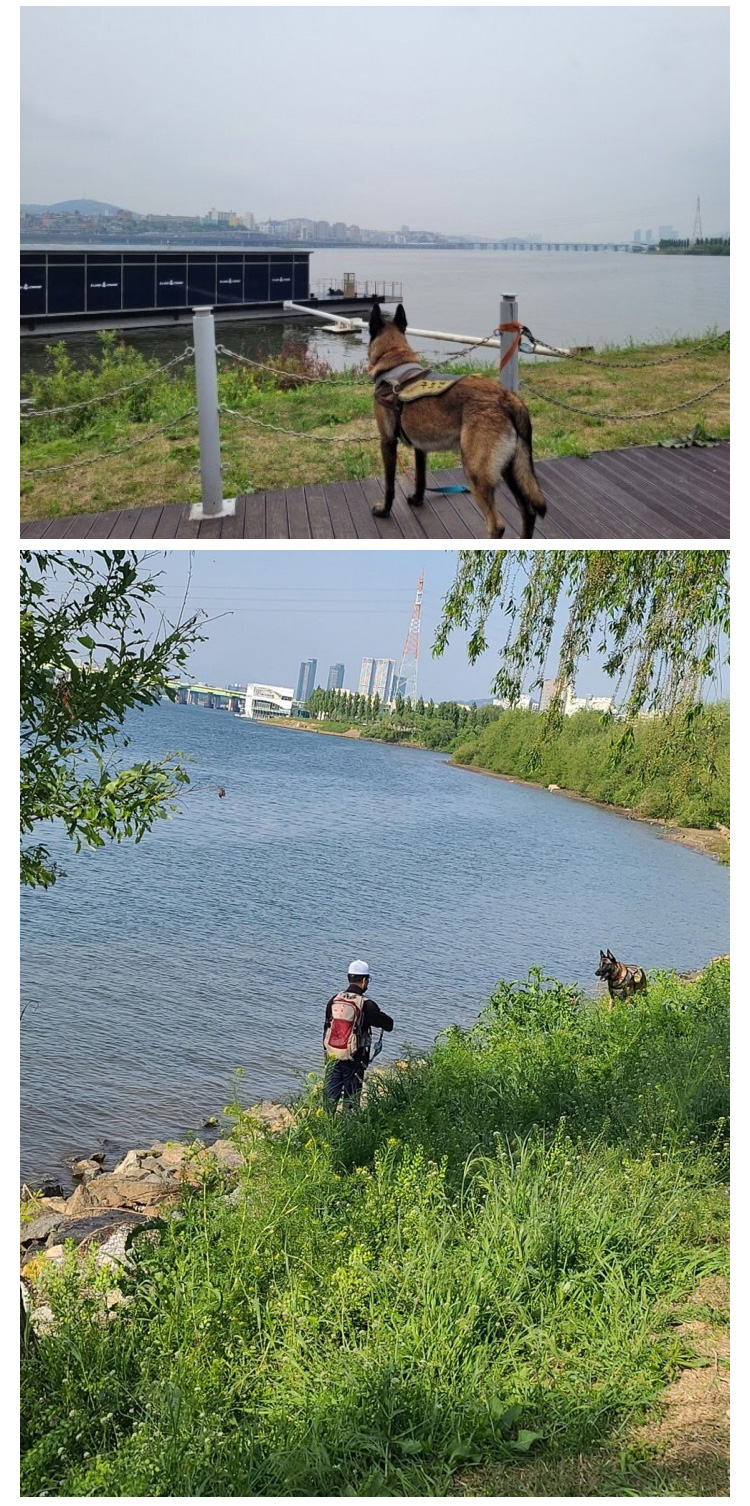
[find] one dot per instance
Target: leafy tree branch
(88, 657)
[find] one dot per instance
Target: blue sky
(273, 608)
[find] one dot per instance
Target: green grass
(476, 1270)
(164, 468)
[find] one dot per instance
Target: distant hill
(71, 206)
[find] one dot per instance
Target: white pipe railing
(508, 313)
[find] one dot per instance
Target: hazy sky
(334, 606)
(580, 121)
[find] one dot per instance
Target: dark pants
(343, 1079)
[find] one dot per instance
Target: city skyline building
(382, 679)
(366, 673)
(335, 677)
(306, 680)
(550, 691)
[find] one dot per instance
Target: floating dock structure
(70, 289)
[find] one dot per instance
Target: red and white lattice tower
(407, 674)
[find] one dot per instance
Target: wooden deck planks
(638, 493)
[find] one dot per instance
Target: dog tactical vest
(343, 1036)
(633, 982)
(407, 384)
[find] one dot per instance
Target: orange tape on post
(507, 329)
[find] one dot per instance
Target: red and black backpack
(345, 1034)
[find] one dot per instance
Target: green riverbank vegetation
(481, 1282)
(669, 768)
(305, 395)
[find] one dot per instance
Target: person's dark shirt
(374, 1019)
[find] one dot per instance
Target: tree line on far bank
(713, 245)
(673, 767)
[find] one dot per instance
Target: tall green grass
(480, 1263)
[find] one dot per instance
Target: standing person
(347, 1034)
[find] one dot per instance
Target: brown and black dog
(489, 425)
(623, 979)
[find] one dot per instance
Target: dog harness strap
(396, 375)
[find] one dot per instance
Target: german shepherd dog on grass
(489, 425)
(623, 979)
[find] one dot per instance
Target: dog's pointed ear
(610, 954)
(376, 321)
(399, 318)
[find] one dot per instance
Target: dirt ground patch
(694, 1424)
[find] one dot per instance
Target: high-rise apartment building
(382, 678)
(336, 677)
(306, 680)
(550, 690)
(366, 675)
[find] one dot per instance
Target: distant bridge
(213, 697)
(525, 245)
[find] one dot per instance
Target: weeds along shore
(475, 1278)
(302, 393)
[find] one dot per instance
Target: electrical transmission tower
(697, 229)
(407, 674)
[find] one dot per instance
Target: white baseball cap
(358, 969)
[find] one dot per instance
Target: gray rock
(227, 1154)
(97, 1227)
(130, 1163)
(38, 1229)
(88, 1168)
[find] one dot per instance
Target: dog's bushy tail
(524, 474)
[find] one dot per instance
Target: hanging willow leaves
(658, 618)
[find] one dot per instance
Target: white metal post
(212, 503)
(508, 315)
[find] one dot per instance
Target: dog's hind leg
(484, 463)
(388, 450)
(516, 481)
(520, 478)
(420, 479)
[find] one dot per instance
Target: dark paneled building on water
(146, 286)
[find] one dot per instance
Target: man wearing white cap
(347, 1035)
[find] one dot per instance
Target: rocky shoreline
(107, 1205)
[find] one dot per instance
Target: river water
(566, 298)
(152, 972)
